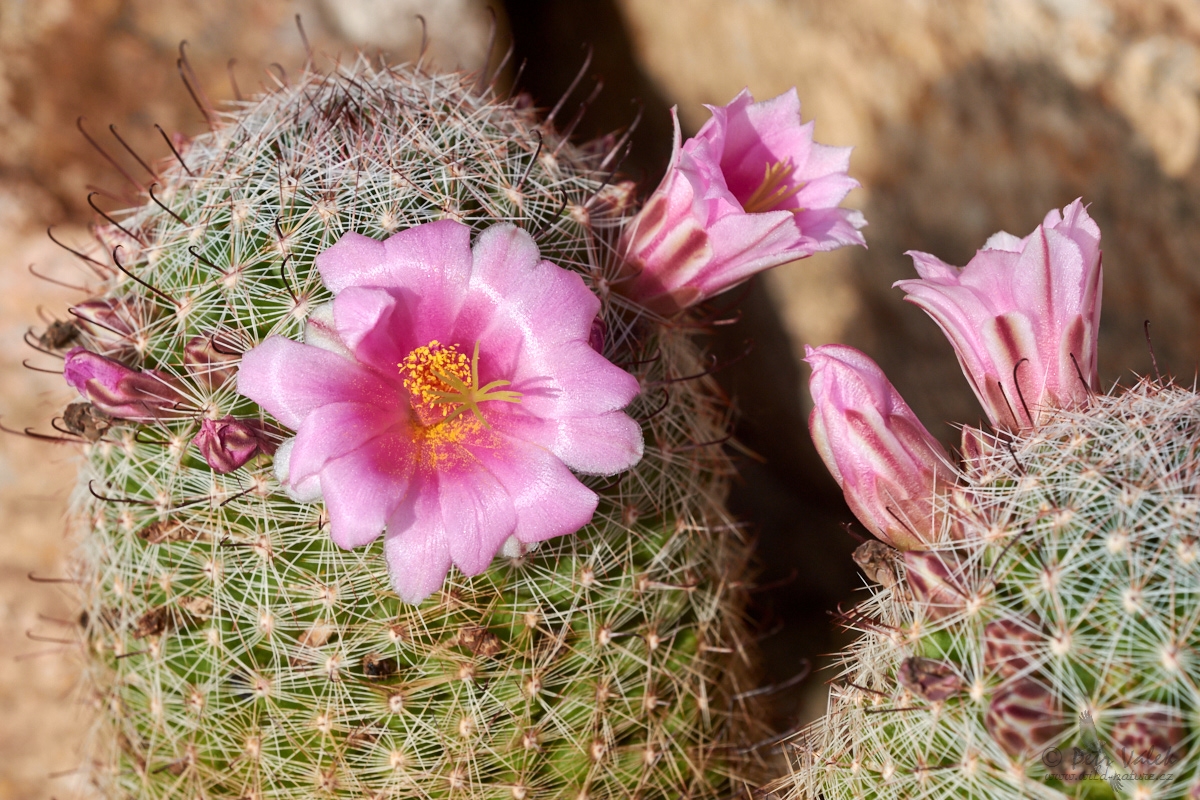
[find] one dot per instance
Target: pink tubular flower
(228, 443)
(444, 395)
(119, 391)
(1023, 316)
(749, 192)
(887, 464)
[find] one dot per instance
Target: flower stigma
(774, 189)
(442, 384)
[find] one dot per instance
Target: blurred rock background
(968, 116)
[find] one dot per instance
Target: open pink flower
(1023, 316)
(750, 191)
(119, 391)
(888, 465)
(445, 395)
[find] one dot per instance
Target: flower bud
(228, 443)
(888, 465)
(934, 580)
(206, 359)
(1010, 646)
(119, 391)
(1149, 740)
(111, 323)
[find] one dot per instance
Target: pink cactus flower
(888, 465)
(229, 443)
(749, 192)
(1023, 316)
(119, 391)
(444, 397)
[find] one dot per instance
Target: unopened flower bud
(229, 443)
(1149, 740)
(934, 580)
(111, 323)
(1010, 646)
(206, 358)
(119, 391)
(888, 465)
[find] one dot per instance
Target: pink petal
(364, 487)
(477, 515)
(416, 545)
(431, 265)
(604, 444)
(375, 326)
(822, 193)
(305, 491)
(549, 500)
(745, 244)
(290, 380)
(320, 330)
(331, 431)
(576, 381)
(355, 260)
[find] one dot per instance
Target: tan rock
(969, 117)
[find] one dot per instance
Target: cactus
(231, 649)
(1038, 636)
(1057, 616)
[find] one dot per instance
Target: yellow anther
(442, 384)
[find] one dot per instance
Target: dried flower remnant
(119, 391)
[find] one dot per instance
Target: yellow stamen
(438, 377)
(774, 189)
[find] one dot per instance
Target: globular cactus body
(1046, 645)
(233, 650)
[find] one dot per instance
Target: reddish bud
(119, 391)
(1010, 646)
(933, 579)
(206, 359)
(929, 679)
(888, 465)
(228, 443)
(1149, 740)
(597, 335)
(111, 323)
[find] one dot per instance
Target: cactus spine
(1051, 635)
(233, 651)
